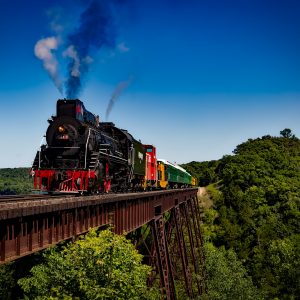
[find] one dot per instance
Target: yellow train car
(162, 181)
(194, 182)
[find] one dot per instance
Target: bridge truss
(164, 225)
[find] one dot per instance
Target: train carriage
(151, 167)
(172, 176)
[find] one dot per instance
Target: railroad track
(30, 197)
(33, 197)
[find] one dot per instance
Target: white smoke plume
(116, 94)
(43, 50)
(72, 53)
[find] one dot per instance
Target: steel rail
(29, 197)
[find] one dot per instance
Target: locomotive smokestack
(116, 94)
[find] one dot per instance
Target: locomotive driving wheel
(102, 181)
(94, 184)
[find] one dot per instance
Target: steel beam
(183, 253)
(163, 258)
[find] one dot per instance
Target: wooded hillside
(256, 211)
(15, 181)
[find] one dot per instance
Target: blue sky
(207, 75)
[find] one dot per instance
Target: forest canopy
(15, 181)
(256, 210)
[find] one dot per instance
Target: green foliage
(287, 133)
(214, 192)
(7, 282)
(227, 277)
(99, 266)
(205, 172)
(15, 181)
(257, 213)
(281, 264)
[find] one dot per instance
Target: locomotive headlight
(61, 129)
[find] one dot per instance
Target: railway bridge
(164, 225)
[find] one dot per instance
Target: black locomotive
(84, 155)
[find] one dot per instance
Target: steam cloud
(43, 50)
(72, 53)
(96, 29)
(116, 94)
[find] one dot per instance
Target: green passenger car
(175, 175)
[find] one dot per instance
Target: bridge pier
(177, 230)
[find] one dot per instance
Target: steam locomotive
(84, 155)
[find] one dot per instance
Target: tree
(15, 181)
(98, 266)
(7, 282)
(226, 276)
(287, 133)
(204, 171)
(281, 264)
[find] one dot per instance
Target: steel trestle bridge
(164, 225)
